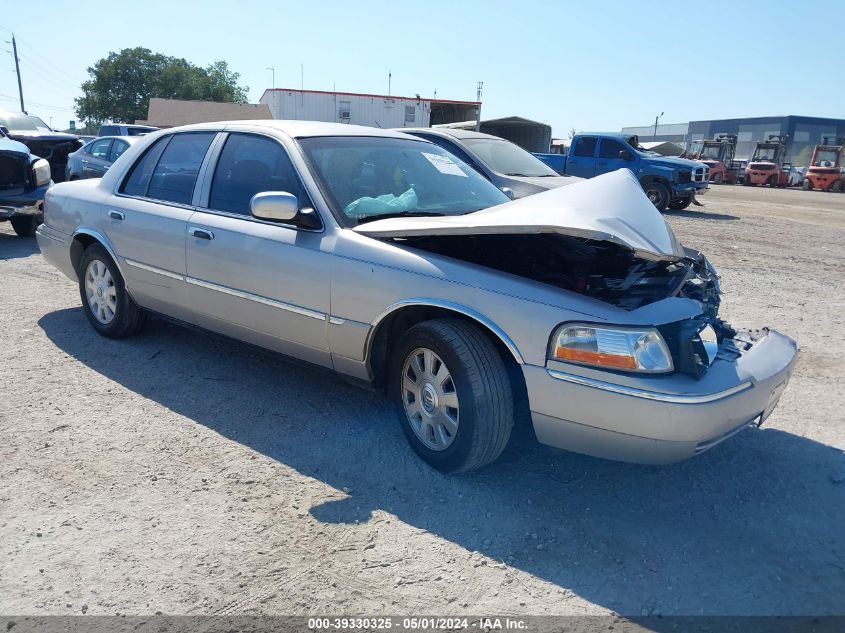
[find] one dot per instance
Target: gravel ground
(184, 473)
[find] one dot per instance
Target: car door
(146, 220)
(609, 158)
(95, 160)
(264, 282)
(581, 161)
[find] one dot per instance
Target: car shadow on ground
(701, 215)
(752, 527)
(14, 247)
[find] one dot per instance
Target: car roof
(448, 131)
(294, 129)
(128, 139)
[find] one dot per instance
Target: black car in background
(95, 157)
(44, 142)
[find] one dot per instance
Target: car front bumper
(29, 203)
(661, 419)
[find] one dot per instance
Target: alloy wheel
(430, 399)
(100, 291)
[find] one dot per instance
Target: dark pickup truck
(44, 142)
(24, 179)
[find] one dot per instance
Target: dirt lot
(183, 473)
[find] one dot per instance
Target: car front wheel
(658, 194)
(452, 393)
(107, 305)
(25, 225)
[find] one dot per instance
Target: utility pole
(272, 69)
(18, 71)
(478, 107)
(389, 81)
(657, 118)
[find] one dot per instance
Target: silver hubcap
(100, 291)
(430, 399)
(653, 196)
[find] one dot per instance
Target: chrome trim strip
(336, 321)
(673, 398)
(448, 305)
(257, 298)
(706, 445)
(153, 269)
(46, 235)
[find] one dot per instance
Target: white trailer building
(385, 111)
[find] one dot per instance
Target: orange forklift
(718, 155)
(767, 166)
(825, 170)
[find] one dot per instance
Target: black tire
(746, 182)
(127, 318)
(679, 204)
(717, 179)
(482, 385)
(658, 193)
(807, 185)
(838, 186)
(772, 181)
(25, 225)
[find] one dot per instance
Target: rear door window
(586, 147)
(175, 174)
(138, 181)
(248, 165)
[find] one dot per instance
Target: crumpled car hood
(547, 182)
(611, 207)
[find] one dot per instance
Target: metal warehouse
(804, 133)
(385, 111)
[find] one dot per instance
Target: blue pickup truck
(668, 182)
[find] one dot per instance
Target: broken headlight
(41, 172)
(638, 350)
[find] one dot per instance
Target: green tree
(121, 85)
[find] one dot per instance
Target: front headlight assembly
(41, 172)
(628, 349)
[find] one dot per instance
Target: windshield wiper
(399, 214)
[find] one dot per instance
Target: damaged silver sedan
(387, 259)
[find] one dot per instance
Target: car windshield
(24, 123)
(506, 158)
(711, 151)
(765, 153)
(369, 177)
(825, 158)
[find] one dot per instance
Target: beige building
(173, 112)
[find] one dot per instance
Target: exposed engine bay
(605, 271)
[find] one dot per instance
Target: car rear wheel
(452, 393)
(658, 194)
(25, 225)
(107, 305)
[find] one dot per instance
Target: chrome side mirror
(508, 192)
(274, 206)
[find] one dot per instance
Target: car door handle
(116, 215)
(203, 234)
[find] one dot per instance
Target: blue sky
(584, 65)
